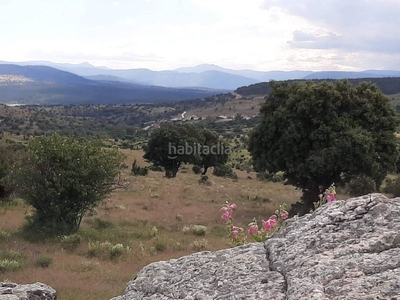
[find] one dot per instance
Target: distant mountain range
(54, 83)
(47, 85)
(202, 76)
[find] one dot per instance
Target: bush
(360, 185)
(160, 245)
(155, 168)
(224, 171)
(196, 169)
(99, 224)
(63, 179)
(153, 231)
(273, 177)
(11, 255)
(198, 230)
(139, 171)
(116, 251)
(7, 265)
(200, 245)
(106, 250)
(3, 236)
(43, 261)
(393, 186)
(70, 242)
(204, 180)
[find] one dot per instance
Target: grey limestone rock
(36, 291)
(344, 250)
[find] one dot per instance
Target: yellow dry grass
(149, 201)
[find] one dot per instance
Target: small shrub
(179, 217)
(43, 261)
(264, 176)
(360, 185)
(4, 236)
(277, 177)
(155, 168)
(160, 245)
(11, 255)
(70, 242)
(99, 224)
(196, 169)
(200, 245)
(392, 186)
(178, 246)
(224, 171)
(187, 230)
(7, 265)
(98, 249)
(204, 180)
(116, 251)
(199, 230)
(153, 231)
(139, 171)
(106, 250)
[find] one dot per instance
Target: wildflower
(253, 229)
(226, 215)
(235, 233)
(284, 215)
(266, 225)
(330, 197)
(272, 220)
(232, 206)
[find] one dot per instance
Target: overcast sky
(166, 34)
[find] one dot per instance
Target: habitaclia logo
(197, 149)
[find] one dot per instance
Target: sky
(261, 35)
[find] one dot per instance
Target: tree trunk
(310, 195)
(205, 170)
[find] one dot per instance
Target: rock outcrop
(36, 291)
(344, 250)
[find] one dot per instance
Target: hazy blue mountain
(385, 73)
(105, 78)
(353, 75)
(43, 74)
(203, 76)
(53, 86)
(257, 75)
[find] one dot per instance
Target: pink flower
(331, 197)
(272, 220)
(253, 229)
(232, 206)
(226, 215)
(235, 233)
(266, 225)
(284, 215)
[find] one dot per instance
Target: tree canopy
(320, 133)
(174, 144)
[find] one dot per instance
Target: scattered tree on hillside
(10, 154)
(174, 144)
(320, 133)
(63, 178)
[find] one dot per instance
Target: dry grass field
(128, 217)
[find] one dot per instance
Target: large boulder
(36, 291)
(344, 250)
